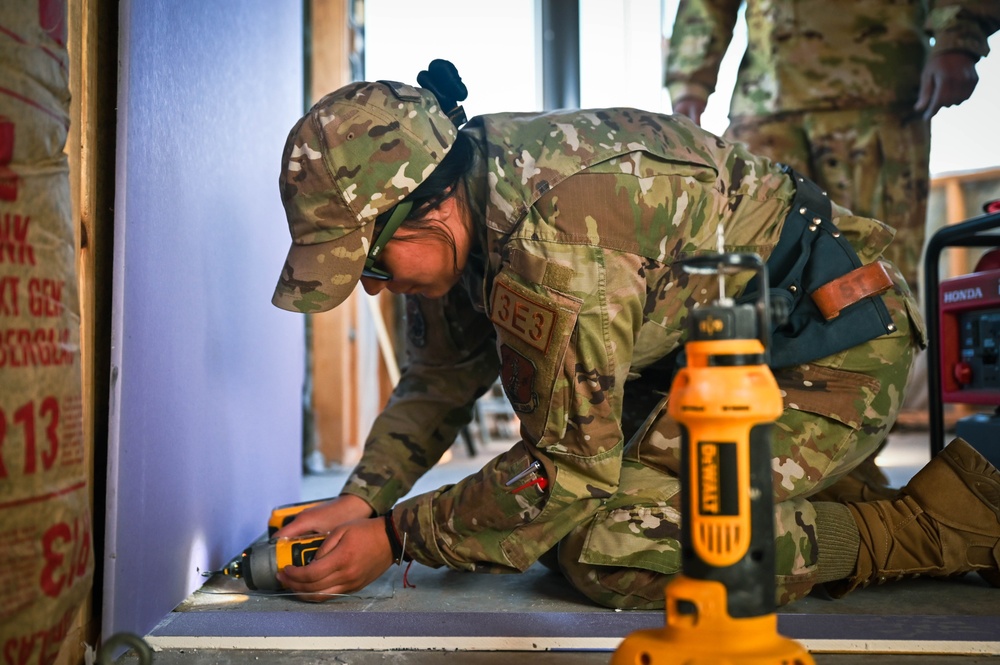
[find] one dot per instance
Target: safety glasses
(396, 218)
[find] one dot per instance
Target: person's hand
(692, 107)
(326, 517)
(948, 79)
(353, 556)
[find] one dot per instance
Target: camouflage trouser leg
(873, 161)
(837, 411)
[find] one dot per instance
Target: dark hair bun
(441, 78)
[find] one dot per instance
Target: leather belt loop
(868, 280)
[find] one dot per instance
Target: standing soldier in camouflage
(540, 248)
(841, 91)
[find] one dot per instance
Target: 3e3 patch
(528, 320)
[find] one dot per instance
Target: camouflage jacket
(451, 360)
(817, 54)
(583, 214)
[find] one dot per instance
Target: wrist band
(394, 543)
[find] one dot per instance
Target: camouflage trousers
(874, 162)
(838, 410)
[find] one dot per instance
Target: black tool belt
(811, 253)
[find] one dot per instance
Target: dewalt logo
(708, 479)
(711, 326)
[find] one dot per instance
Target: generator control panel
(970, 338)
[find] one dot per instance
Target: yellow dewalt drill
(284, 514)
(720, 609)
(258, 564)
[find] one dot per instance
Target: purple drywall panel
(207, 375)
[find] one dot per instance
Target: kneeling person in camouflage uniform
(539, 248)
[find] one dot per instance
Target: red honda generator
(963, 322)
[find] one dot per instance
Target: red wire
(541, 482)
(406, 582)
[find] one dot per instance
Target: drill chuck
(259, 565)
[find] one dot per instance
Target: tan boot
(865, 482)
(945, 522)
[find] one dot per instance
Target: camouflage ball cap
(357, 153)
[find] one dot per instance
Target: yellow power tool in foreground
(720, 609)
(258, 565)
(283, 515)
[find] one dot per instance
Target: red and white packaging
(46, 549)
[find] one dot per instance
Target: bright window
(493, 45)
(621, 55)
(496, 49)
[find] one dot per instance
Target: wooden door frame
(335, 426)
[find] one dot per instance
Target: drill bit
(233, 569)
